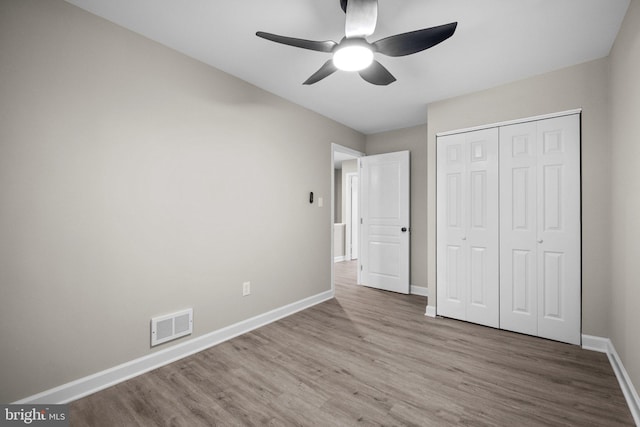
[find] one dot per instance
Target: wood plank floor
(369, 357)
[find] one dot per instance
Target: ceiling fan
(355, 53)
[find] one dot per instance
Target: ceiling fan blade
(324, 46)
(414, 41)
(377, 74)
(362, 16)
(326, 70)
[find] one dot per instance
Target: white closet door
(559, 274)
(518, 229)
(540, 279)
(467, 217)
(451, 262)
(483, 303)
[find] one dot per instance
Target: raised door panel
(523, 282)
(518, 219)
(453, 199)
(453, 292)
(559, 266)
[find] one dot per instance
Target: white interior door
(451, 267)
(384, 231)
(559, 240)
(518, 228)
(483, 301)
(540, 277)
(467, 217)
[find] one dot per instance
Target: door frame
(336, 148)
(350, 223)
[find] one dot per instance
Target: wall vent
(171, 326)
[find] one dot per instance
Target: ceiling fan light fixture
(353, 57)
(355, 53)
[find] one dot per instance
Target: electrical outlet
(246, 289)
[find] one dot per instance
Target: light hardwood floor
(369, 357)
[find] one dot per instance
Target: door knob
(403, 229)
(464, 238)
(540, 241)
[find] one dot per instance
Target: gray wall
(413, 139)
(581, 86)
(624, 315)
(135, 181)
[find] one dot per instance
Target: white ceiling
(497, 41)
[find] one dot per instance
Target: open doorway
(345, 212)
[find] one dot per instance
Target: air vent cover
(171, 326)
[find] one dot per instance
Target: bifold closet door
(540, 278)
(467, 231)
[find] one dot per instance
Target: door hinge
(360, 267)
(360, 220)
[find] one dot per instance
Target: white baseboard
(431, 311)
(339, 258)
(419, 290)
(604, 345)
(107, 378)
(599, 344)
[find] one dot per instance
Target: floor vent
(171, 326)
